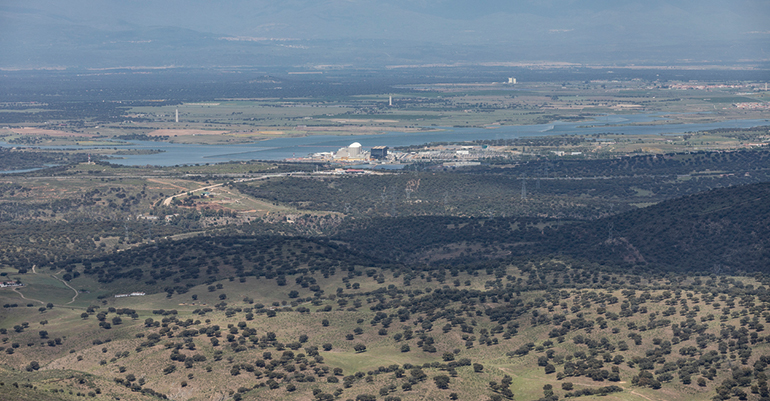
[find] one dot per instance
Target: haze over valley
(402, 200)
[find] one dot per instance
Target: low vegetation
(626, 274)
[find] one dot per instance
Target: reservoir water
(283, 148)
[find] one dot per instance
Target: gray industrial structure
(379, 152)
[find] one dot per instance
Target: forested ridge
(573, 189)
(723, 230)
(672, 164)
(19, 160)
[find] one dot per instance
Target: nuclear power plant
(352, 152)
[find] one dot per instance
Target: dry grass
(44, 132)
(184, 132)
(528, 378)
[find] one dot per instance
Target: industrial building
(352, 152)
(379, 152)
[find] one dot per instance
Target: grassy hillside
(526, 325)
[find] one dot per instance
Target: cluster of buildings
(4, 284)
(563, 153)
(453, 155)
(168, 217)
(753, 106)
(686, 86)
(354, 153)
(133, 294)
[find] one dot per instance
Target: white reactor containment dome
(354, 149)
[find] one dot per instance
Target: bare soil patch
(184, 132)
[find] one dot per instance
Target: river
(284, 148)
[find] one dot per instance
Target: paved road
(168, 200)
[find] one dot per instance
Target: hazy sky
(554, 30)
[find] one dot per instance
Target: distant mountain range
(366, 33)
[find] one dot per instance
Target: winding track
(74, 297)
(16, 290)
